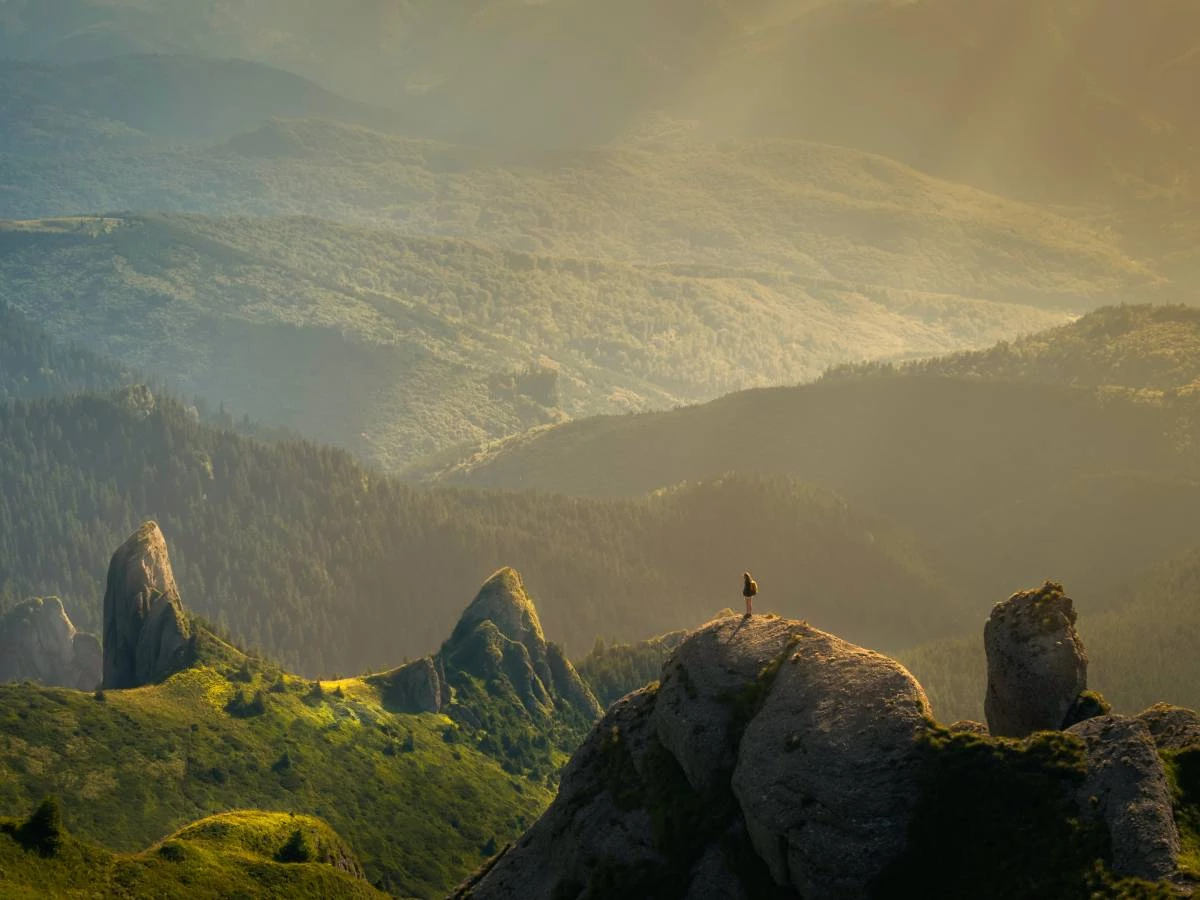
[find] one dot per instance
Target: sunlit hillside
(133, 766)
(397, 347)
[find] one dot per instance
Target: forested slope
(1010, 480)
(330, 567)
(396, 347)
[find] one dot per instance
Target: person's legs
(749, 605)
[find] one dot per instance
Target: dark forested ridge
(1009, 479)
(32, 364)
(300, 550)
(1140, 350)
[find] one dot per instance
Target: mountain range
(583, 310)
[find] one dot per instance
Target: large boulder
(38, 642)
(828, 772)
(415, 687)
(784, 763)
(706, 684)
(1036, 663)
(146, 632)
(1126, 788)
(593, 824)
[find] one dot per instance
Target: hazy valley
(392, 396)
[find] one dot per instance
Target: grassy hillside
(397, 347)
(135, 765)
(249, 853)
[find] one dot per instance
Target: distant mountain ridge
(1061, 99)
(130, 100)
(995, 472)
(300, 550)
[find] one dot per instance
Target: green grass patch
(226, 856)
(145, 762)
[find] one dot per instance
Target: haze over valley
(653, 449)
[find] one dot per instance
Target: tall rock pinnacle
(146, 632)
(500, 637)
(1037, 666)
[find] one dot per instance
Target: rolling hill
(397, 347)
(138, 101)
(221, 856)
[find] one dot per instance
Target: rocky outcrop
(771, 757)
(38, 642)
(827, 775)
(1172, 728)
(137, 400)
(775, 760)
(146, 632)
(1036, 663)
(706, 684)
(592, 819)
(499, 640)
(1126, 788)
(415, 687)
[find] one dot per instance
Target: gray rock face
(1036, 662)
(701, 687)
(146, 632)
(815, 741)
(588, 821)
(502, 600)
(827, 773)
(1172, 727)
(1127, 789)
(38, 642)
(413, 688)
(712, 879)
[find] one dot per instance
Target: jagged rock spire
(500, 636)
(146, 632)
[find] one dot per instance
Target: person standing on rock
(749, 589)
